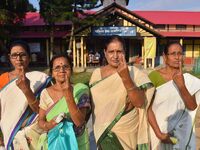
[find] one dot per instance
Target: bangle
(131, 88)
(35, 101)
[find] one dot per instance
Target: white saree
(14, 106)
(172, 116)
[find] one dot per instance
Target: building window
(181, 27)
(160, 27)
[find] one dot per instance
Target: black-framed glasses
(175, 54)
(21, 55)
(64, 67)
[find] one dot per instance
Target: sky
(174, 5)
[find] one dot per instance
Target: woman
(18, 99)
(120, 97)
(172, 112)
(70, 102)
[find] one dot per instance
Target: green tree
(11, 14)
(54, 11)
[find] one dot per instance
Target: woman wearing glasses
(19, 90)
(64, 106)
(172, 112)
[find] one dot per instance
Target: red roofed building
(158, 27)
(153, 29)
(36, 32)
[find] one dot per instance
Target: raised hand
(66, 87)
(122, 67)
(23, 82)
(178, 77)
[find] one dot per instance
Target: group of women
(49, 112)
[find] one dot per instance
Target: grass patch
(195, 74)
(83, 77)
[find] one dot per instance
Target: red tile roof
(156, 17)
(171, 17)
(180, 34)
(32, 34)
(34, 19)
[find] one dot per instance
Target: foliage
(54, 11)
(11, 14)
(61, 10)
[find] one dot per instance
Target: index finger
(122, 59)
(180, 67)
(22, 73)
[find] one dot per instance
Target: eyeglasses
(64, 67)
(175, 54)
(15, 55)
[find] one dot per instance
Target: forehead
(17, 49)
(115, 45)
(175, 47)
(60, 61)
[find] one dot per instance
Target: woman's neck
(171, 69)
(107, 71)
(168, 72)
(14, 74)
(62, 85)
(18, 71)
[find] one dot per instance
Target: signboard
(109, 31)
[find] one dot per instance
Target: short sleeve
(4, 79)
(45, 100)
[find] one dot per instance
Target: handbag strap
(117, 118)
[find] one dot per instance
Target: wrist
(181, 87)
(159, 135)
(132, 88)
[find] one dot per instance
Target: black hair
(59, 56)
(22, 44)
(166, 49)
(115, 38)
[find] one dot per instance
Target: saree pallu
(109, 97)
(63, 136)
(172, 116)
(15, 110)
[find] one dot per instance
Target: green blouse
(156, 78)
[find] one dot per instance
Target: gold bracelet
(131, 89)
(35, 101)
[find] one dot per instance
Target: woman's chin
(114, 65)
